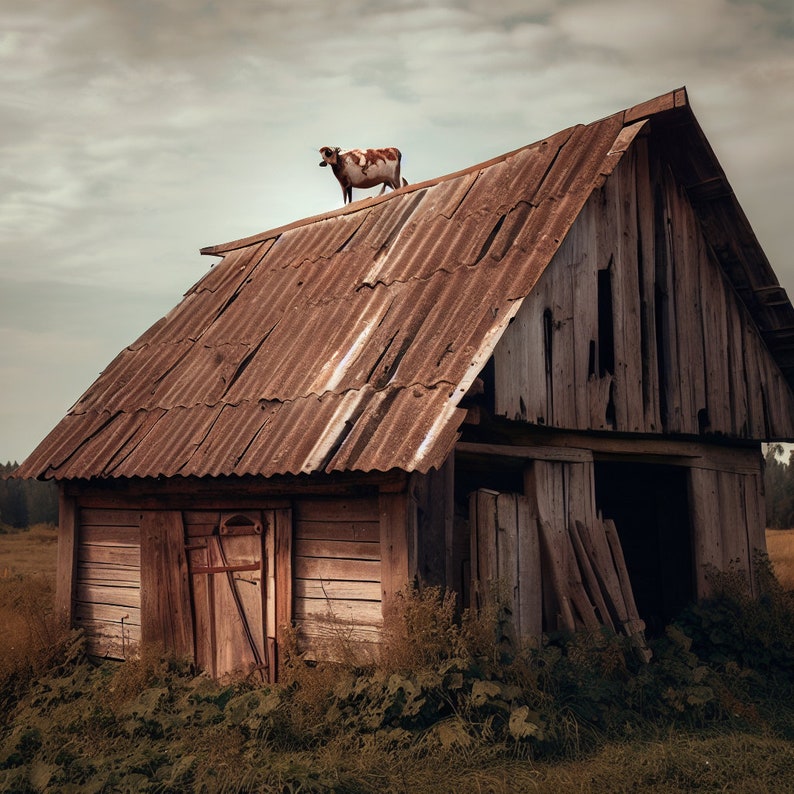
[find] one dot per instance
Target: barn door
(229, 573)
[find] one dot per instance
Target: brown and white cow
(363, 168)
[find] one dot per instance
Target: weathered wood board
(337, 582)
(635, 328)
(107, 592)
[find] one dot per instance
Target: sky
(135, 133)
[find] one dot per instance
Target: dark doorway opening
(649, 505)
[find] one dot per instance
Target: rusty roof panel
(345, 341)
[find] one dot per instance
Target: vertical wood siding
(108, 592)
(633, 327)
(337, 565)
(728, 516)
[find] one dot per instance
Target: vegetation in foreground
(449, 706)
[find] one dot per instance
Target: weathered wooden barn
(553, 370)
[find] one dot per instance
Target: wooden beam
(283, 572)
(66, 577)
(567, 454)
(740, 459)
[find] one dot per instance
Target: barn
(552, 371)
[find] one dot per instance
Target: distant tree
(26, 502)
(13, 505)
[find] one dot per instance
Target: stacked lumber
(567, 575)
(593, 589)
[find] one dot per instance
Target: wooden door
(229, 575)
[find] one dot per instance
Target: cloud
(135, 133)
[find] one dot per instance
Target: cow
(363, 168)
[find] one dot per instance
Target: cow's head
(329, 154)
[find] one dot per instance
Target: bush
(35, 639)
(735, 627)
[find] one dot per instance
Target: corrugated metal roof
(344, 341)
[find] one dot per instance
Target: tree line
(26, 502)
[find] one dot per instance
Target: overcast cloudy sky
(135, 132)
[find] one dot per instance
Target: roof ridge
(672, 100)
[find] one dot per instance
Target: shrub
(733, 626)
(35, 638)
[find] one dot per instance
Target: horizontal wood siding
(337, 566)
(634, 327)
(108, 590)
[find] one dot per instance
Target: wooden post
(283, 582)
(66, 581)
(393, 510)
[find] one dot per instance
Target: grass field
(29, 553)
(780, 545)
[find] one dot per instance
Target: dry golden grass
(29, 553)
(31, 631)
(780, 546)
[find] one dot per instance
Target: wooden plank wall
(337, 565)
(549, 571)
(728, 515)
(108, 591)
(633, 327)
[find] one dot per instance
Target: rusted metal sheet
(345, 341)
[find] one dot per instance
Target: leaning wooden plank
(578, 531)
(610, 530)
(574, 588)
(553, 564)
(166, 615)
(596, 547)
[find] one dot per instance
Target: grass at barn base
(780, 545)
(714, 711)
